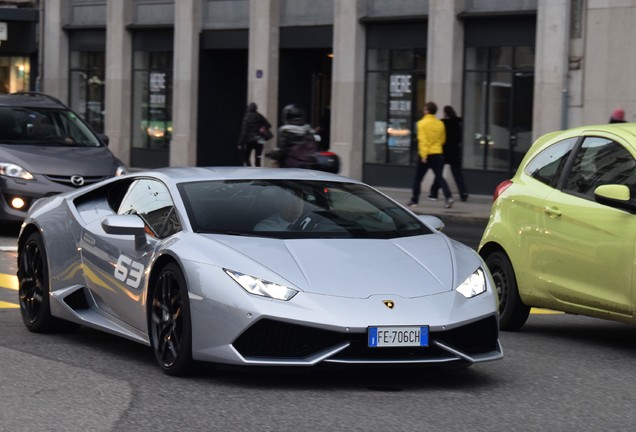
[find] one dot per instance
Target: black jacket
(453, 146)
(252, 122)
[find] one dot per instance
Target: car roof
(189, 174)
(30, 100)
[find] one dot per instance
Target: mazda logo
(77, 180)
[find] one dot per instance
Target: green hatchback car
(562, 231)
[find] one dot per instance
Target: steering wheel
(306, 222)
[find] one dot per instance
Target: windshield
(44, 126)
(295, 209)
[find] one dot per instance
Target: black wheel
(170, 325)
(512, 312)
(33, 291)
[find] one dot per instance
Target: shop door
(501, 132)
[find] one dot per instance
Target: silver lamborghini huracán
(256, 266)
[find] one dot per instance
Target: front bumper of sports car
(233, 327)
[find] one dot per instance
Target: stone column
(444, 65)
(551, 65)
(263, 58)
(347, 90)
(445, 53)
(119, 78)
(187, 26)
(55, 49)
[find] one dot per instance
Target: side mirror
(614, 195)
(126, 225)
(104, 139)
(432, 221)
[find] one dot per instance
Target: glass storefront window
(152, 100)
(87, 89)
(378, 60)
(393, 98)
(15, 74)
(498, 101)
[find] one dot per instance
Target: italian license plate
(398, 336)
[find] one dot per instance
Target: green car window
(601, 161)
(548, 164)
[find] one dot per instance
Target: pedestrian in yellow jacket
(431, 136)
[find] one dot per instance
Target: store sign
(157, 87)
(400, 96)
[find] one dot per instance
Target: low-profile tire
(170, 324)
(513, 314)
(33, 288)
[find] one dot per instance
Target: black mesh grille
(478, 337)
(270, 338)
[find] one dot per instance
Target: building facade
(168, 81)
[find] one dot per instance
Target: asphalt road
(561, 373)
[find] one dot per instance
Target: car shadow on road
(587, 331)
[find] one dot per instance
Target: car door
(115, 264)
(588, 248)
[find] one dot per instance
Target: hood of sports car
(357, 268)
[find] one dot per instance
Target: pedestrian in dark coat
(251, 138)
(296, 140)
(452, 152)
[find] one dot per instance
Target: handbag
(265, 133)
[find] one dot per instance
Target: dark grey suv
(45, 149)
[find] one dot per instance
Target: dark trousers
(247, 152)
(436, 163)
(456, 170)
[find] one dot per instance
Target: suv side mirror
(104, 138)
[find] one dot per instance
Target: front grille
(270, 338)
(66, 179)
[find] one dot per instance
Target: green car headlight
(474, 285)
(257, 286)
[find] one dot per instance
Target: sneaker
(464, 197)
(449, 203)
(411, 204)
(431, 198)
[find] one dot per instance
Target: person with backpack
(296, 142)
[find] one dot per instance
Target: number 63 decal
(129, 271)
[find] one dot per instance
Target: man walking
(431, 136)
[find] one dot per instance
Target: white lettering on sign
(401, 106)
(157, 81)
(129, 271)
(400, 84)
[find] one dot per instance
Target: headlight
(121, 170)
(262, 287)
(13, 170)
(474, 285)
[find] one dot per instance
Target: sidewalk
(476, 208)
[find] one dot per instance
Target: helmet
(293, 114)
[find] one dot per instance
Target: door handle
(553, 212)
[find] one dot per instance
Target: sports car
(256, 266)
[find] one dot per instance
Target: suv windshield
(44, 126)
(295, 209)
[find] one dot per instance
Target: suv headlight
(474, 285)
(257, 286)
(13, 170)
(121, 170)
